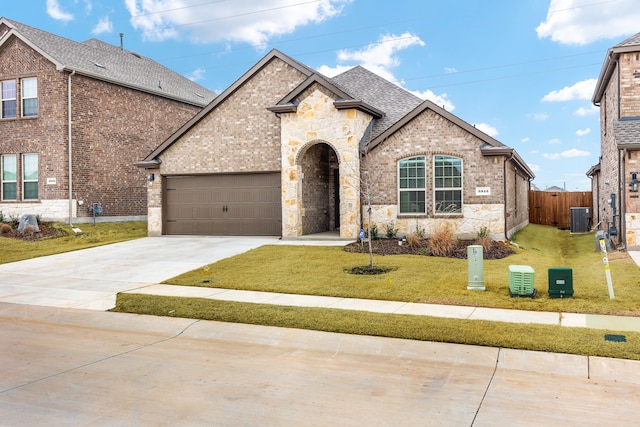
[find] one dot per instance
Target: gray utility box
(580, 220)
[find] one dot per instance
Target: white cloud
(534, 167)
(554, 141)
(380, 58)
(55, 11)
(243, 22)
(450, 70)
(581, 90)
(538, 116)
(567, 154)
(197, 74)
(104, 26)
(525, 139)
(580, 22)
(440, 100)
(488, 129)
(592, 110)
(583, 132)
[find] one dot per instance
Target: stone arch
(320, 187)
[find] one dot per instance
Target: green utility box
(560, 282)
(521, 281)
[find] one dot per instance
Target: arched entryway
(320, 189)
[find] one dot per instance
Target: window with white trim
(8, 103)
(412, 185)
(29, 94)
(29, 176)
(447, 184)
(9, 166)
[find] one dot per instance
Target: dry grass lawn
(415, 278)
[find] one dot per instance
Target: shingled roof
(627, 131)
(103, 61)
(390, 98)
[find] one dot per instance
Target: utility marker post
(607, 272)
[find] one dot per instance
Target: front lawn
(419, 278)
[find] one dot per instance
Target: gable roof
(102, 61)
(391, 107)
(152, 161)
(632, 44)
(626, 131)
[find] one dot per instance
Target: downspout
(504, 184)
(622, 234)
(69, 147)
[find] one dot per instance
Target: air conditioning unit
(580, 220)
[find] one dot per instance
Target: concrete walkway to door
(91, 278)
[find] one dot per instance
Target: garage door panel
(223, 204)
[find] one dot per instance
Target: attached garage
(223, 204)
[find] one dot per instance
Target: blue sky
(522, 71)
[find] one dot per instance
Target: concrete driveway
(91, 278)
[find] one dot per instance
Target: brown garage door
(223, 205)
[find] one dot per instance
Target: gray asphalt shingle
(390, 98)
(111, 63)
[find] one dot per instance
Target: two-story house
(75, 117)
(616, 178)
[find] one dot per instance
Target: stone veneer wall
(317, 120)
(474, 217)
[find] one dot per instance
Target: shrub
(5, 228)
(443, 242)
(390, 231)
(414, 240)
(28, 230)
(14, 220)
(1, 217)
(420, 231)
(483, 238)
(374, 232)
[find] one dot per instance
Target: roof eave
(607, 70)
(274, 53)
(512, 153)
(346, 104)
(148, 164)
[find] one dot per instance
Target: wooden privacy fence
(554, 207)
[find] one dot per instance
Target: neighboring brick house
(286, 151)
(616, 178)
(106, 106)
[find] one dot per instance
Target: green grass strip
(558, 339)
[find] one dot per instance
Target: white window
(30, 176)
(8, 106)
(447, 185)
(29, 92)
(9, 177)
(411, 185)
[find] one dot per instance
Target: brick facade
(112, 127)
(315, 143)
(620, 99)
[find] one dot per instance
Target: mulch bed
(46, 230)
(496, 250)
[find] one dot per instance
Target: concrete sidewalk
(591, 321)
